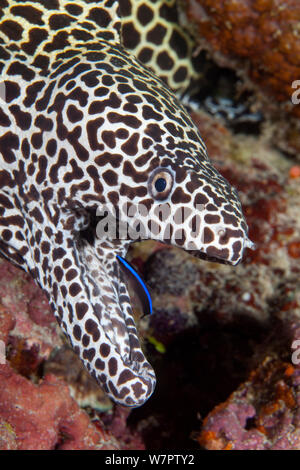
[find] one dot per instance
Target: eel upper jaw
(247, 243)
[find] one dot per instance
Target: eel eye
(160, 183)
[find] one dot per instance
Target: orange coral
(294, 172)
(294, 249)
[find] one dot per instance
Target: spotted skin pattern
(83, 123)
(153, 32)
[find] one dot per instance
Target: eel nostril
(234, 192)
(250, 244)
(222, 233)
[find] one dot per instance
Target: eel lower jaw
(133, 380)
(101, 261)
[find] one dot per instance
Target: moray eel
(85, 124)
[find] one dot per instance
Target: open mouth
(138, 285)
(131, 276)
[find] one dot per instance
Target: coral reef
(259, 39)
(221, 338)
(44, 416)
(223, 348)
(265, 33)
(264, 413)
(63, 363)
(43, 384)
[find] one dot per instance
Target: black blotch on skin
(131, 37)
(36, 37)
(164, 61)
(156, 35)
(51, 147)
(125, 376)
(81, 35)
(211, 219)
(73, 9)
(104, 349)
(77, 332)
(129, 170)
(11, 29)
(110, 177)
(145, 55)
(59, 21)
(109, 138)
(112, 366)
(99, 16)
(178, 43)
(89, 354)
(208, 235)
(41, 61)
(23, 120)
(179, 196)
(125, 7)
(180, 74)
(154, 131)
(17, 68)
(91, 78)
(74, 114)
(92, 328)
(144, 14)
(74, 289)
(59, 42)
(130, 147)
(92, 130)
(8, 143)
(12, 91)
(45, 124)
(229, 219)
(81, 309)
(216, 253)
